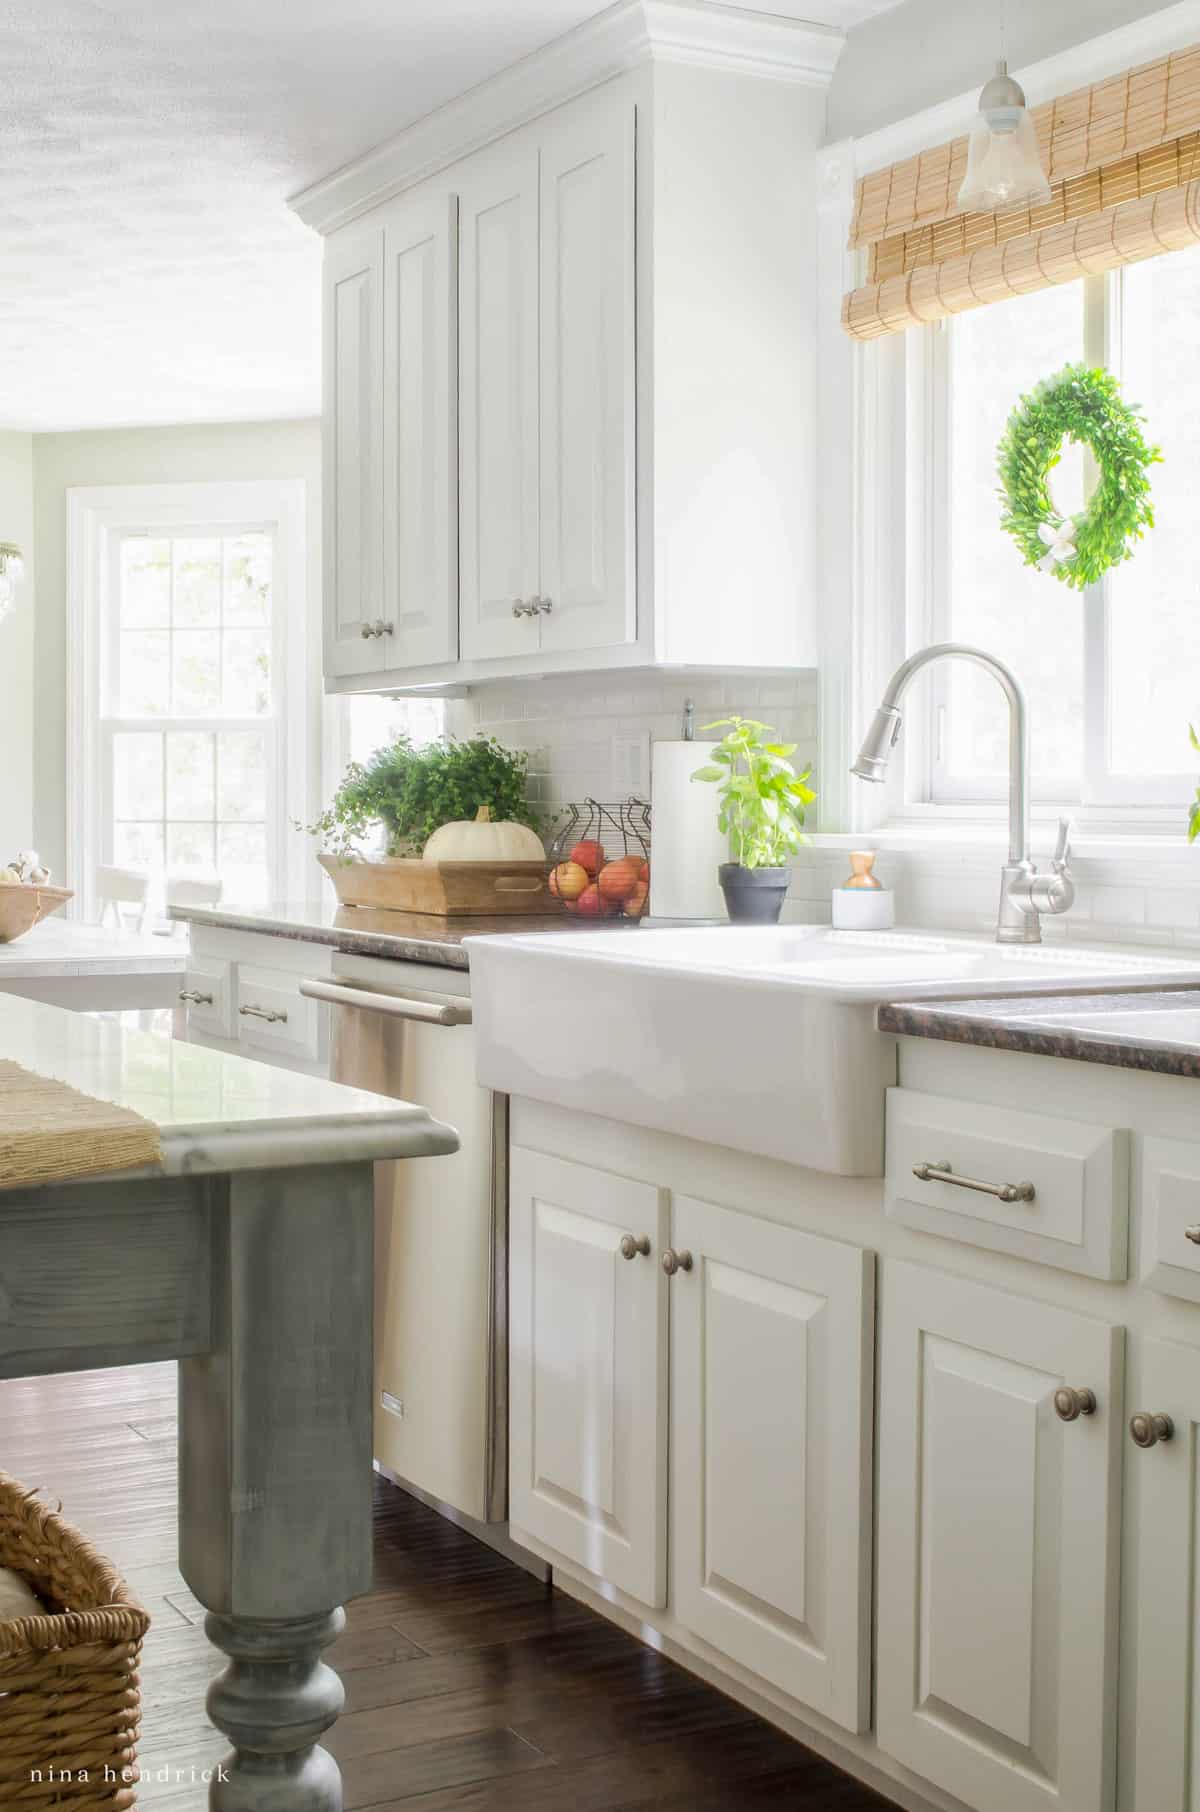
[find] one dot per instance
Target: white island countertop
(64, 947)
(216, 1112)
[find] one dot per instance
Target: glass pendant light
(1004, 166)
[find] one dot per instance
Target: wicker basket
(69, 1702)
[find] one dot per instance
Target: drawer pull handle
(631, 1248)
(1004, 1192)
(676, 1261)
(1149, 1427)
(268, 1013)
(1192, 1233)
(1070, 1404)
(195, 997)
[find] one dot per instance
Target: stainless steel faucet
(1024, 893)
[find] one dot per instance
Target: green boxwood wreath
(1079, 404)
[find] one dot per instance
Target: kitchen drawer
(206, 989)
(1170, 1212)
(1078, 1215)
(274, 1018)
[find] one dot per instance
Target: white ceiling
(150, 270)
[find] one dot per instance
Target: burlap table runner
(50, 1132)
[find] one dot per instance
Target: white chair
(124, 898)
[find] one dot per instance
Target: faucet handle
(1060, 861)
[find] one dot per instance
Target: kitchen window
(190, 731)
(1111, 674)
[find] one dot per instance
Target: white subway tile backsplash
(578, 729)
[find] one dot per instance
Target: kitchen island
(90, 968)
(246, 1254)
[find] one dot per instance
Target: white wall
(16, 652)
(230, 450)
(930, 50)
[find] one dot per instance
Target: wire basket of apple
(601, 857)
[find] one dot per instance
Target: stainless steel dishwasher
(441, 1347)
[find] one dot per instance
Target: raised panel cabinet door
(498, 412)
(771, 1458)
(588, 1369)
(420, 432)
(1164, 1600)
(352, 462)
(997, 1564)
(588, 576)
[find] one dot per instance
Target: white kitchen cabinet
(498, 341)
(587, 581)
(769, 1389)
(636, 388)
(997, 1564)
(420, 432)
(771, 1392)
(352, 455)
(1164, 1600)
(588, 1368)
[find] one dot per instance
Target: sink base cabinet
(587, 1369)
(771, 1452)
(761, 1494)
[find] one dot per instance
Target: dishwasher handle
(433, 1010)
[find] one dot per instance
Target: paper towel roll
(686, 846)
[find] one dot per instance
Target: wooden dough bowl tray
(444, 889)
(24, 903)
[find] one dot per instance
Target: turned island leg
(275, 1472)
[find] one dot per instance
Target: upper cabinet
(352, 456)
(420, 433)
(569, 391)
(498, 477)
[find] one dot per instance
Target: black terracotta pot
(753, 896)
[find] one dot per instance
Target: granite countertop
(1138, 1031)
(412, 937)
(216, 1112)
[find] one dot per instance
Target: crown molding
(623, 37)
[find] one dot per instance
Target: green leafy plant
(1194, 814)
(760, 798)
(1083, 405)
(412, 792)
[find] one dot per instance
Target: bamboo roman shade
(1123, 160)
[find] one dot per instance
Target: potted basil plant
(760, 807)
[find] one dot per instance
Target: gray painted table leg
(275, 1472)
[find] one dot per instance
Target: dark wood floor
(469, 1686)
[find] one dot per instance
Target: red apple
(589, 854)
(618, 880)
(593, 905)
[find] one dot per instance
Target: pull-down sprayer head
(878, 744)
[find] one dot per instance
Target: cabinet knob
(194, 997)
(1192, 1233)
(1070, 1404)
(366, 632)
(521, 609)
(673, 1261)
(385, 628)
(630, 1247)
(541, 607)
(1148, 1427)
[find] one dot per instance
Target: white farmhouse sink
(762, 1039)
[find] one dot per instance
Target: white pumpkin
(478, 839)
